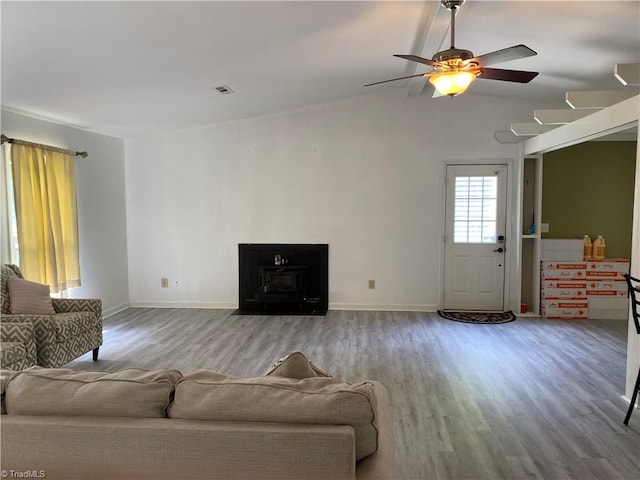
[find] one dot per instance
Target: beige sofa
(137, 424)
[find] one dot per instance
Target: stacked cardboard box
(581, 290)
(563, 290)
(607, 289)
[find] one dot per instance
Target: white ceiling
(131, 68)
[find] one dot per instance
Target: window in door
(475, 209)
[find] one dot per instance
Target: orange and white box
(608, 268)
(614, 288)
(563, 289)
(563, 270)
(564, 309)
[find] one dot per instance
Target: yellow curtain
(47, 220)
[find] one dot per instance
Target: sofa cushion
(64, 392)
(296, 365)
(205, 395)
(29, 297)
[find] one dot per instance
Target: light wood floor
(532, 398)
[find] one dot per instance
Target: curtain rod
(15, 141)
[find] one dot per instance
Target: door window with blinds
(475, 209)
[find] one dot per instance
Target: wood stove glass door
(475, 237)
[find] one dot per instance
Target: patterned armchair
(75, 328)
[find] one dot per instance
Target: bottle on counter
(599, 248)
(588, 248)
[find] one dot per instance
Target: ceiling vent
(224, 90)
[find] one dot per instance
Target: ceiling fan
(455, 69)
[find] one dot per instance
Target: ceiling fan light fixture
(452, 83)
(455, 69)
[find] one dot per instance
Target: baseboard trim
(383, 308)
(211, 305)
(332, 306)
(113, 310)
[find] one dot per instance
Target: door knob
(499, 250)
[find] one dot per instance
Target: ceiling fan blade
(394, 79)
(415, 58)
(505, 55)
(519, 76)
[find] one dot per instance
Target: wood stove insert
(288, 279)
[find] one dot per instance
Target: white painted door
(475, 237)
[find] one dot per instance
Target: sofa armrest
(16, 331)
(23, 333)
(43, 328)
(66, 305)
(381, 464)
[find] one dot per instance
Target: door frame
(512, 240)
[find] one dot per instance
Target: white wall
(364, 175)
(101, 205)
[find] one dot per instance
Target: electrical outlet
(372, 284)
(164, 282)
(544, 228)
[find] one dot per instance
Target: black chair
(634, 294)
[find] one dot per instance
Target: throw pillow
(296, 365)
(29, 297)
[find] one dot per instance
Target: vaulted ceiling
(131, 68)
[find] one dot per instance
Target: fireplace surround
(283, 278)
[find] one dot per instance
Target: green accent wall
(587, 189)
